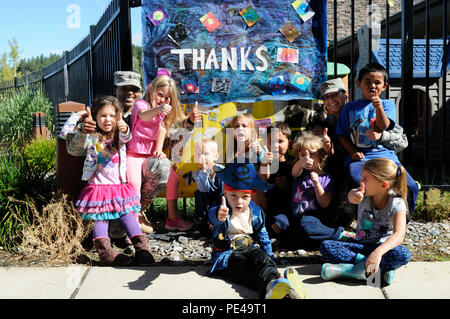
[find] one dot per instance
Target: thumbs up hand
(305, 160)
(268, 157)
(223, 210)
(356, 195)
(326, 140)
(164, 109)
(121, 125)
(195, 115)
(89, 125)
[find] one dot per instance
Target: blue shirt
(359, 116)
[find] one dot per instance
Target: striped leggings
(345, 252)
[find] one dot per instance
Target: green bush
(432, 206)
(40, 155)
(16, 116)
(22, 184)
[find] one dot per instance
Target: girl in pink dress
(148, 169)
(107, 195)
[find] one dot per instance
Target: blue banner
(236, 51)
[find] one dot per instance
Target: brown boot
(146, 227)
(142, 254)
(108, 256)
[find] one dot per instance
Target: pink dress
(144, 133)
(105, 197)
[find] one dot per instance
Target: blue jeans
(316, 230)
(413, 188)
(345, 252)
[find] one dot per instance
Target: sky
(53, 26)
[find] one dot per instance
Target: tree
(9, 62)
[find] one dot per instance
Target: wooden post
(69, 169)
(39, 127)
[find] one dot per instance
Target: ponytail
(387, 171)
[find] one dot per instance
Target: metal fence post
(125, 36)
(407, 65)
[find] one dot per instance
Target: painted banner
(224, 51)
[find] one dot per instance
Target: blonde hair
(386, 170)
(176, 115)
(232, 143)
(308, 141)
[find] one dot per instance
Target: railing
(427, 154)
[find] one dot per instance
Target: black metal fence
(87, 70)
(422, 100)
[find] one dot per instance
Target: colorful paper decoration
(290, 31)
(178, 33)
(300, 81)
(220, 85)
(210, 21)
(263, 123)
(287, 55)
(157, 16)
(277, 85)
(302, 9)
(189, 85)
(250, 16)
(213, 114)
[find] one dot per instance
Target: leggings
(345, 252)
(128, 221)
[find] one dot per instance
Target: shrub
(21, 180)
(40, 155)
(16, 116)
(56, 233)
(432, 206)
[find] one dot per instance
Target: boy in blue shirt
(370, 112)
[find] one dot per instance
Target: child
(209, 185)
(244, 141)
(359, 117)
(334, 94)
(244, 146)
(381, 227)
(277, 201)
(313, 190)
(238, 224)
(107, 196)
(150, 121)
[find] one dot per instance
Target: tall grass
(27, 166)
(16, 115)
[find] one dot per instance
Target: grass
(432, 206)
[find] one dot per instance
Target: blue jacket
(219, 257)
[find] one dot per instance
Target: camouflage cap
(331, 86)
(124, 78)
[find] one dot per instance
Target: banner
(224, 51)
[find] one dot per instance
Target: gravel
(426, 241)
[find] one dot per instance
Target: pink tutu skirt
(107, 202)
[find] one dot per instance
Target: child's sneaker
(177, 224)
(277, 288)
(388, 276)
(297, 290)
(347, 236)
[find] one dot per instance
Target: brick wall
(361, 15)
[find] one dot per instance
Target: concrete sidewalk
(416, 280)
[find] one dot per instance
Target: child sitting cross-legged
(238, 225)
(381, 226)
